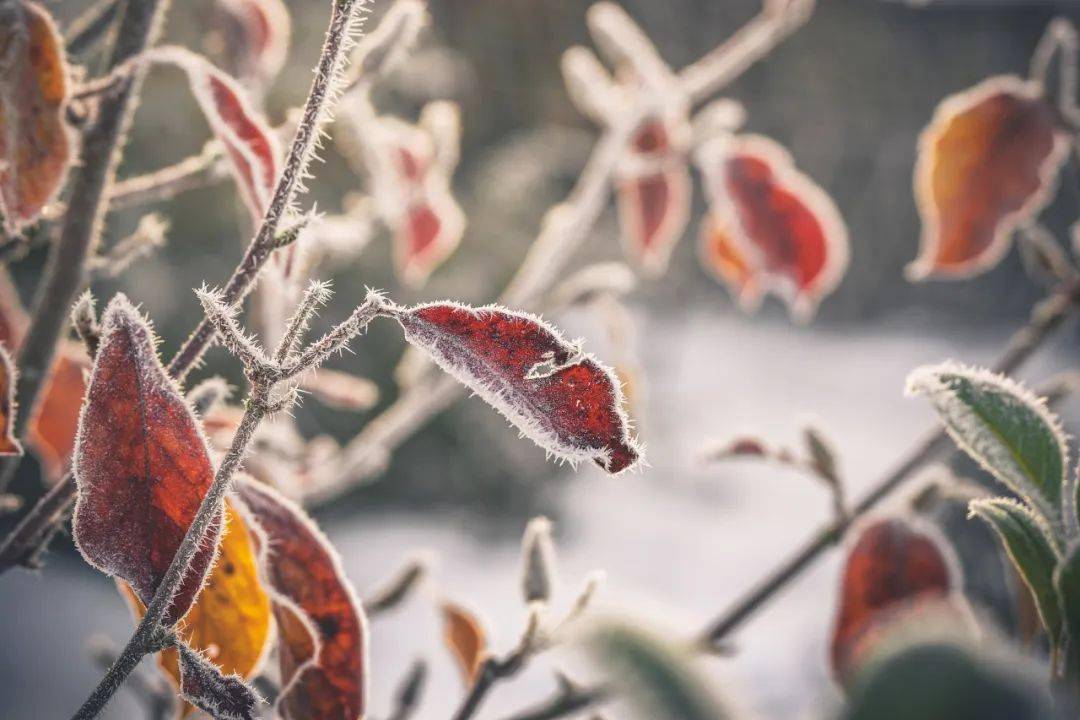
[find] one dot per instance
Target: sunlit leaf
(8, 444)
(141, 464)
(987, 162)
(55, 423)
(256, 37)
(1003, 427)
(1030, 547)
(223, 697)
(323, 651)
(653, 196)
(891, 569)
(770, 227)
(658, 674)
(465, 638)
(36, 145)
(561, 398)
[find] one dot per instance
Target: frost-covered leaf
(892, 568)
(223, 697)
(323, 650)
(654, 193)
(561, 398)
(770, 227)
(988, 161)
(256, 37)
(1003, 427)
(36, 145)
(141, 463)
(657, 674)
(250, 143)
(1031, 548)
(465, 638)
(8, 444)
(943, 680)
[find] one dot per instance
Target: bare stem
(1046, 317)
(168, 182)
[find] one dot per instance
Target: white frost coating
(517, 408)
(980, 507)
(217, 683)
(970, 433)
(387, 45)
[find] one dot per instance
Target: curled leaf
(770, 228)
(987, 162)
(561, 398)
(141, 464)
(256, 37)
(8, 444)
(465, 638)
(891, 569)
(35, 141)
(224, 697)
(653, 195)
(323, 650)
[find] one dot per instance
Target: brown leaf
(35, 142)
(323, 651)
(141, 464)
(53, 427)
(8, 444)
(988, 161)
(223, 697)
(465, 638)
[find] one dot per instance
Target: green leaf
(658, 675)
(1029, 545)
(1003, 427)
(940, 680)
(1067, 585)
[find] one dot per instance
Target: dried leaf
(323, 652)
(988, 162)
(8, 444)
(36, 145)
(653, 196)
(563, 399)
(256, 37)
(771, 228)
(465, 638)
(891, 568)
(250, 144)
(141, 463)
(224, 697)
(53, 428)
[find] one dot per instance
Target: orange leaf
(8, 444)
(988, 161)
(892, 568)
(771, 228)
(465, 638)
(53, 427)
(323, 653)
(230, 621)
(35, 142)
(142, 465)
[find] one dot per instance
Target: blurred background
(847, 95)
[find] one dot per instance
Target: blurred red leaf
(564, 400)
(653, 197)
(250, 144)
(8, 444)
(35, 142)
(770, 227)
(141, 463)
(987, 162)
(465, 638)
(892, 568)
(323, 650)
(256, 36)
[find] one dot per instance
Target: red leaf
(250, 144)
(8, 444)
(988, 161)
(323, 630)
(35, 142)
(892, 568)
(653, 197)
(141, 463)
(771, 228)
(564, 400)
(256, 37)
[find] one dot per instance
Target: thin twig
(1046, 317)
(89, 27)
(190, 173)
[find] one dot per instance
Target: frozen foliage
(223, 697)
